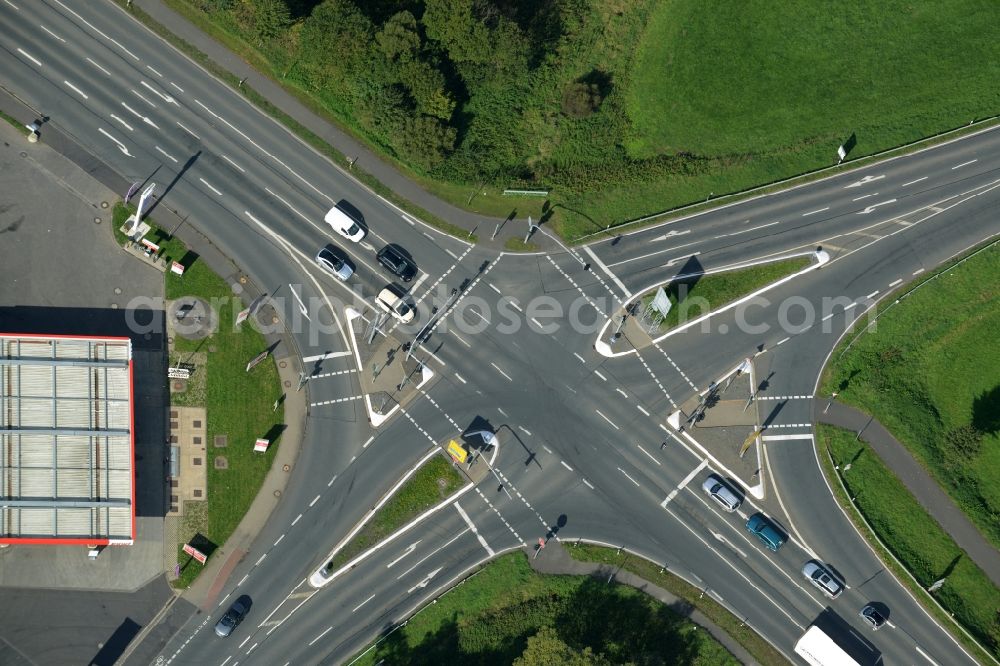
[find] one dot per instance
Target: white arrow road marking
(166, 98)
(141, 117)
(866, 179)
(424, 582)
(674, 261)
(121, 146)
(302, 306)
(406, 552)
(722, 539)
(874, 206)
(127, 126)
(670, 234)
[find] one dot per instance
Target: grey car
(233, 616)
(724, 494)
(332, 260)
(822, 579)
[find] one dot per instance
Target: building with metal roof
(66, 440)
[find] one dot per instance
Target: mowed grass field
(930, 373)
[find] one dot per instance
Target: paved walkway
(918, 481)
(554, 559)
(367, 160)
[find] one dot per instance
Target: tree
(399, 38)
(265, 19)
(333, 43)
(546, 648)
(427, 87)
(425, 141)
(467, 38)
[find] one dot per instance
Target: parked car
(822, 579)
(233, 616)
(395, 260)
(764, 529)
(724, 495)
(391, 299)
(873, 617)
(344, 224)
(333, 260)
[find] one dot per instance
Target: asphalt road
(581, 435)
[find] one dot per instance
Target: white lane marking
(564, 463)
(624, 394)
(297, 519)
(278, 541)
(514, 305)
(746, 231)
(472, 526)
(315, 499)
(206, 183)
(150, 68)
(874, 206)
(142, 97)
(243, 580)
(127, 126)
(776, 438)
(78, 91)
(362, 603)
(452, 254)
(478, 314)
(260, 559)
(537, 323)
(588, 484)
(607, 271)
(187, 130)
(165, 154)
(828, 316)
(241, 169)
(872, 295)
(850, 306)
(83, 20)
(502, 412)
(607, 419)
(959, 166)
(452, 331)
(918, 271)
(459, 378)
(628, 477)
(640, 408)
(649, 454)
(524, 430)
(865, 196)
(52, 33)
(177, 86)
(686, 480)
(501, 371)
(166, 98)
(491, 286)
(141, 117)
(12, 4)
(926, 656)
(432, 553)
(328, 630)
(409, 549)
(895, 282)
(98, 66)
(323, 357)
(782, 341)
(914, 181)
(596, 372)
(653, 254)
(121, 146)
(813, 212)
(579, 357)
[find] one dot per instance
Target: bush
(581, 99)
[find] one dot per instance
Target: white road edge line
(362, 603)
(603, 267)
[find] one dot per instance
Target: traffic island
(388, 372)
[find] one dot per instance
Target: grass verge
(930, 373)
(435, 481)
(711, 292)
(912, 536)
(491, 616)
(761, 650)
(242, 415)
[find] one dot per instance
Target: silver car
(334, 262)
(822, 579)
(233, 617)
(722, 493)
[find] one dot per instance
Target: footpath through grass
(692, 297)
(930, 373)
(493, 617)
(435, 481)
(912, 536)
(242, 414)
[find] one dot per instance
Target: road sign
(661, 302)
(241, 316)
(841, 153)
(750, 440)
(457, 453)
(257, 359)
(260, 446)
(195, 553)
(178, 373)
(177, 267)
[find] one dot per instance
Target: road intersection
(585, 452)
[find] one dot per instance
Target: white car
(391, 300)
(344, 224)
(724, 495)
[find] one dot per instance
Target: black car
(233, 616)
(874, 618)
(397, 262)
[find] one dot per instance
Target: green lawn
(488, 620)
(692, 297)
(912, 535)
(243, 415)
(435, 481)
(931, 374)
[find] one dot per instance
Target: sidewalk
(366, 160)
(555, 560)
(917, 480)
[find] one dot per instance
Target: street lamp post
(420, 334)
